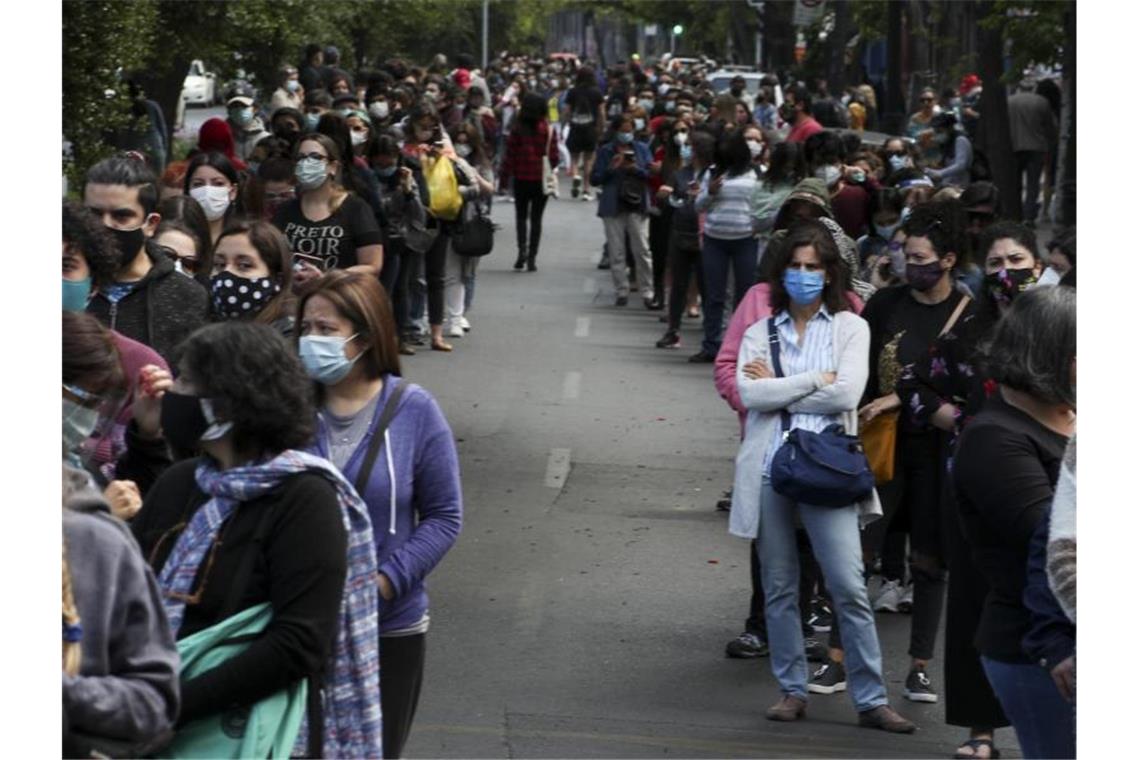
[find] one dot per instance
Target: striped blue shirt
(815, 354)
(730, 210)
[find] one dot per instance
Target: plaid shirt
(523, 158)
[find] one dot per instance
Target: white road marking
(572, 385)
(557, 468)
(582, 329)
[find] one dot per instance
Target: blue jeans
(834, 535)
(1045, 723)
(716, 256)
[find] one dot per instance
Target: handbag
(825, 469)
(549, 180)
(476, 235)
(880, 435)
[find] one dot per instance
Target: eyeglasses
(189, 263)
(893, 153)
(314, 156)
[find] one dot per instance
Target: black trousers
(530, 203)
(434, 262)
(410, 262)
(401, 676)
(970, 700)
(660, 229)
(917, 490)
(390, 273)
(684, 263)
(1030, 163)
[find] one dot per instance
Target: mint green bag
(266, 729)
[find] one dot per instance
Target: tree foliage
(1033, 31)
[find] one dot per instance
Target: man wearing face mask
(241, 115)
(796, 111)
(850, 202)
(147, 301)
(317, 104)
(739, 91)
(290, 93)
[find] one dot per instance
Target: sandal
(440, 346)
(975, 745)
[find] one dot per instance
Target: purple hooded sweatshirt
(412, 537)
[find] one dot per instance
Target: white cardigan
(805, 393)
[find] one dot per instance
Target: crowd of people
(234, 324)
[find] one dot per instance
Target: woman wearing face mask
(696, 153)
(662, 179)
(212, 181)
(1005, 471)
(944, 390)
(726, 196)
(785, 170)
(403, 199)
(823, 367)
(356, 175)
(256, 526)
(472, 162)
(880, 255)
(850, 201)
(1062, 259)
(360, 131)
(531, 139)
(289, 93)
(184, 233)
(896, 155)
(905, 320)
(327, 225)
(412, 489)
(920, 128)
(956, 154)
(251, 277)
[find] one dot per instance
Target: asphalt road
(585, 608)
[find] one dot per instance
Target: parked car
(200, 86)
(721, 80)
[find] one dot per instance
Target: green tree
(100, 41)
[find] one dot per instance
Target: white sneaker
(454, 330)
(464, 323)
(906, 601)
(587, 196)
(889, 597)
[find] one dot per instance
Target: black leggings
(401, 677)
(530, 202)
(410, 262)
(684, 264)
(660, 232)
(434, 262)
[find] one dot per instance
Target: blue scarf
(351, 703)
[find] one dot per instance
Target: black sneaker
(918, 687)
(604, 263)
(746, 646)
(576, 187)
(820, 620)
(672, 339)
(702, 358)
(622, 301)
(830, 678)
(815, 650)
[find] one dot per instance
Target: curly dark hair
(256, 381)
(943, 223)
(800, 234)
(85, 233)
(1015, 231)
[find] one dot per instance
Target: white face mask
(830, 174)
(213, 200)
(378, 111)
(463, 150)
(359, 138)
(681, 138)
(755, 147)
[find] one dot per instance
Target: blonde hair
(72, 651)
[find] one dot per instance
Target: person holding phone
(325, 221)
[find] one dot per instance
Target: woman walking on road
(348, 345)
(815, 380)
(530, 140)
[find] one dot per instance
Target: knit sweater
(730, 210)
(1061, 551)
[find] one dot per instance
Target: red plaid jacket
(523, 157)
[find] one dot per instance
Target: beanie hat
(215, 135)
(462, 78)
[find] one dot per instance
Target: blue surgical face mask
(803, 287)
(886, 232)
(311, 121)
(686, 153)
(242, 116)
(79, 423)
(625, 137)
(311, 173)
(76, 293)
(324, 358)
(293, 85)
(898, 162)
(384, 172)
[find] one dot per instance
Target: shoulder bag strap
(378, 437)
(774, 354)
(961, 307)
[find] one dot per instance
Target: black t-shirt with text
(583, 103)
(335, 239)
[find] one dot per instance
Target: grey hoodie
(127, 688)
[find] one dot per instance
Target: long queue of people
(877, 293)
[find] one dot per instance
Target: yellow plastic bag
(443, 188)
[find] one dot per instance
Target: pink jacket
(751, 310)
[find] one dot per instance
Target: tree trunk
(993, 125)
(1067, 164)
(892, 116)
(165, 88)
(836, 78)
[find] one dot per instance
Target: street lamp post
(674, 33)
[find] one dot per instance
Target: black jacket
(161, 311)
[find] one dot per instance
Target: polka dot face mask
(241, 297)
